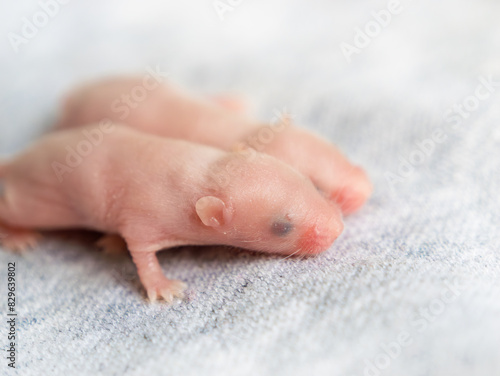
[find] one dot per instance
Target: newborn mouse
(166, 111)
(160, 193)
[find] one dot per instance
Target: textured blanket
(408, 89)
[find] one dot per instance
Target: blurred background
(375, 77)
(429, 54)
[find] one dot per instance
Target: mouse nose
(319, 237)
(356, 190)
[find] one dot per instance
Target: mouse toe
(18, 240)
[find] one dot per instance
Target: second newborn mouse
(167, 111)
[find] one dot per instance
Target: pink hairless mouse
(163, 110)
(158, 193)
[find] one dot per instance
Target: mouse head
(268, 206)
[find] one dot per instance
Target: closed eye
(281, 228)
(320, 191)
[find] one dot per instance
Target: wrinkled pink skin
(158, 193)
(166, 111)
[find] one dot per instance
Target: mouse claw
(168, 290)
(177, 289)
(167, 295)
(152, 295)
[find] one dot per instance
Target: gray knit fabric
(412, 285)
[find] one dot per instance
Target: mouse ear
(213, 211)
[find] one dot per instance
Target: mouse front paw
(153, 279)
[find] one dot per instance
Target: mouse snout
(320, 236)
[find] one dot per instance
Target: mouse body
(159, 193)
